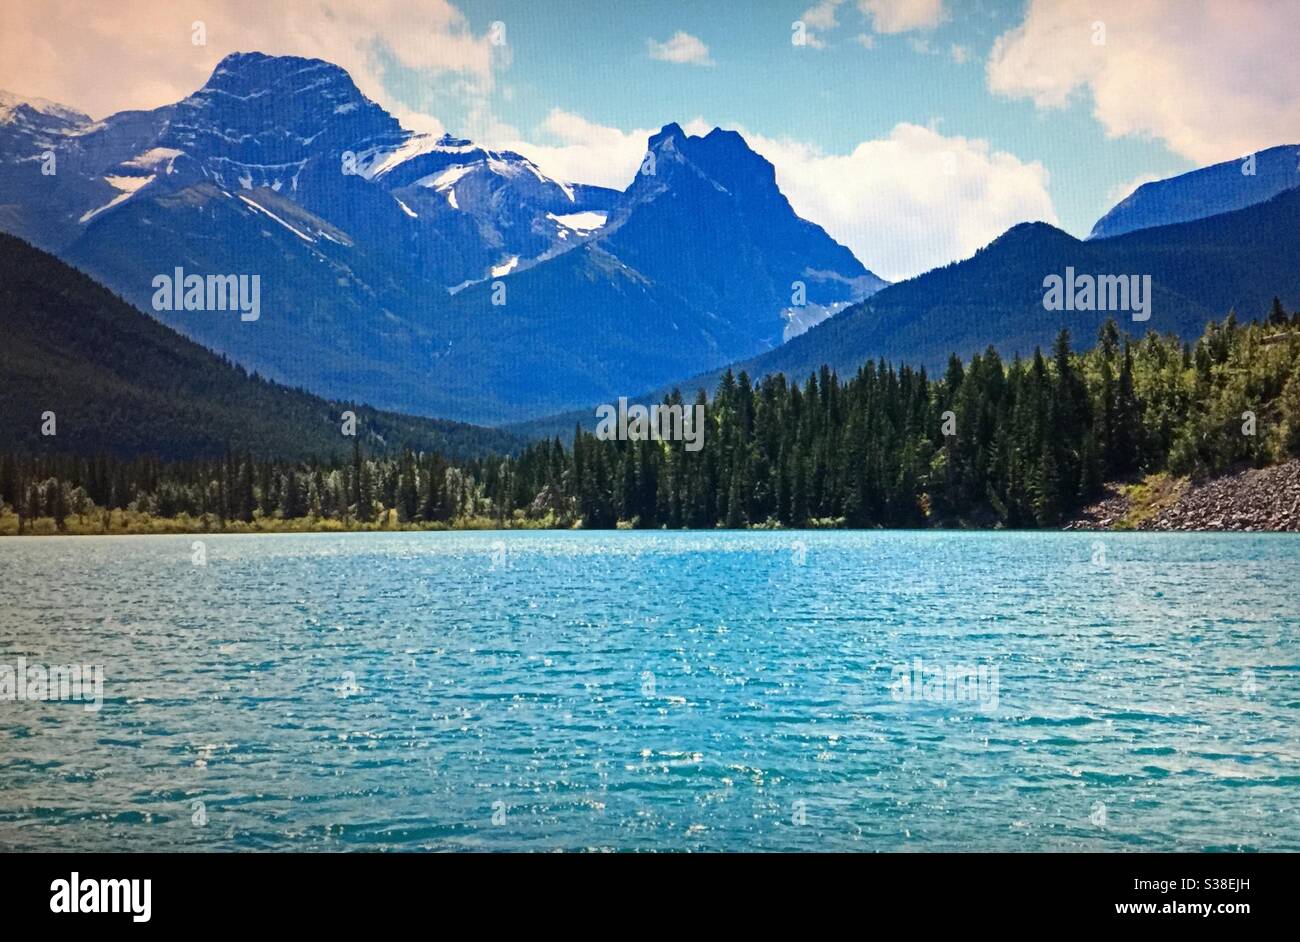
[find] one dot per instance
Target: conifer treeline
(991, 443)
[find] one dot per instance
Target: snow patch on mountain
(12, 106)
(583, 222)
(447, 178)
(153, 159)
(128, 187)
(262, 209)
(377, 162)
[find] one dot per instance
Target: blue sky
(590, 57)
(913, 131)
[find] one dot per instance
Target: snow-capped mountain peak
(378, 245)
(14, 108)
(261, 118)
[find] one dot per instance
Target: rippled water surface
(716, 691)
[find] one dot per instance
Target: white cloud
(698, 127)
(482, 125)
(419, 121)
(960, 54)
(903, 204)
(885, 16)
(64, 49)
(682, 48)
(914, 200)
(1213, 80)
(901, 16)
(583, 151)
(822, 16)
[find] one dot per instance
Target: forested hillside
(989, 443)
(122, 384)
(1199, 270)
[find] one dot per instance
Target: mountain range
(432, 276)
(1199, 271)
(417, 273)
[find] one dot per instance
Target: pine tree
(1128, 447)
(365, 492)
(799, 492)
(1277, 314)
(293, 503)
(267, 499)
(1068, 421)
(58, 502)
(1107, 401)
(408, 496)
(736, 516)
(355, 496)
(246, 500)
(1289, 406)
(431, 490)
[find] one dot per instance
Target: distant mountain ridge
(380, 250)
(1208, 191)
(1200, 270)
(301, 129)
(700, 258)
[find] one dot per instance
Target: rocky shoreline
(1251, 500)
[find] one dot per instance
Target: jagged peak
(244, 71)
(670, 131)
(242, 61)
(11, 103)
(728, 136)
(721, 156)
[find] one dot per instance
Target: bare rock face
(1104, 514)
(1253, 500)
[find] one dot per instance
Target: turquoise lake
(657, 691)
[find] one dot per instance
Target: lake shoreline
(1247, 500)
